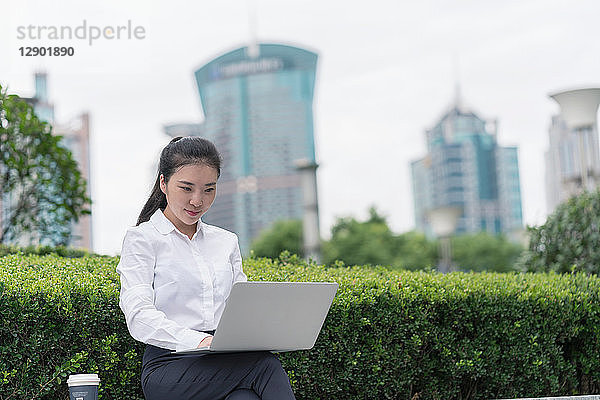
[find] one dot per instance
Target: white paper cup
(83, 386)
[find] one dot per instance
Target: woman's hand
(206, 342)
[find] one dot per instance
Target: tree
(484, 252)
(41, 189)
(283, 235)
(414, 251)
(373, 243)
(568, 240)
(360, 243)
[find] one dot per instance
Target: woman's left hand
(205, 342)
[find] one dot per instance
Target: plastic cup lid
(83, 380)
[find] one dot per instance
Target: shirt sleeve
(145, 323)
(236, 261)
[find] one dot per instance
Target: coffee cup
(83, 386)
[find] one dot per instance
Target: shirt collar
(164, 226)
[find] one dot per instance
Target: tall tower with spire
(253, 48)
(467, 169)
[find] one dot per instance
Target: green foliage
(284, 235)
(388, 335)
(484, 252)
(61, 316)
(568, 240)
(42, 188)
(401, 335)
(373, 243)
(415, 252)
(360, 243)
(60, 251)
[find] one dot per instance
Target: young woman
(176, 274)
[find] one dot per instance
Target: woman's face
(190, 192)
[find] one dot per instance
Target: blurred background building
(76, 138)
(572, 158)
(258, 110)
(466, 169)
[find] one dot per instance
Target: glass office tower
(466, 168)
(258, 108)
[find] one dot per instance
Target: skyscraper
(258, 109)
(76, 138)
(466, 168)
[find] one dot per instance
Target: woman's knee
(269, 360)
(243, 394)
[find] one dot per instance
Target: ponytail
(157, 200)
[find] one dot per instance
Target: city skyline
(386, 71)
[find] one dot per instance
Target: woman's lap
(212, 376)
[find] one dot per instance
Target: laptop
(271, 316)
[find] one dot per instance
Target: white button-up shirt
(174, 287)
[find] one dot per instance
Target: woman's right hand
(206, 342)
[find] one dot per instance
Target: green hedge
(61, 251)
(389, 335)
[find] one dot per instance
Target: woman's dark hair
(179, 152)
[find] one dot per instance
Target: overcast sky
(387, 71)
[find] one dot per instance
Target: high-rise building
(467, 169)
(573, 159)
(258, 109)
(76, 138)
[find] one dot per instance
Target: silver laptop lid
(276, 316)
